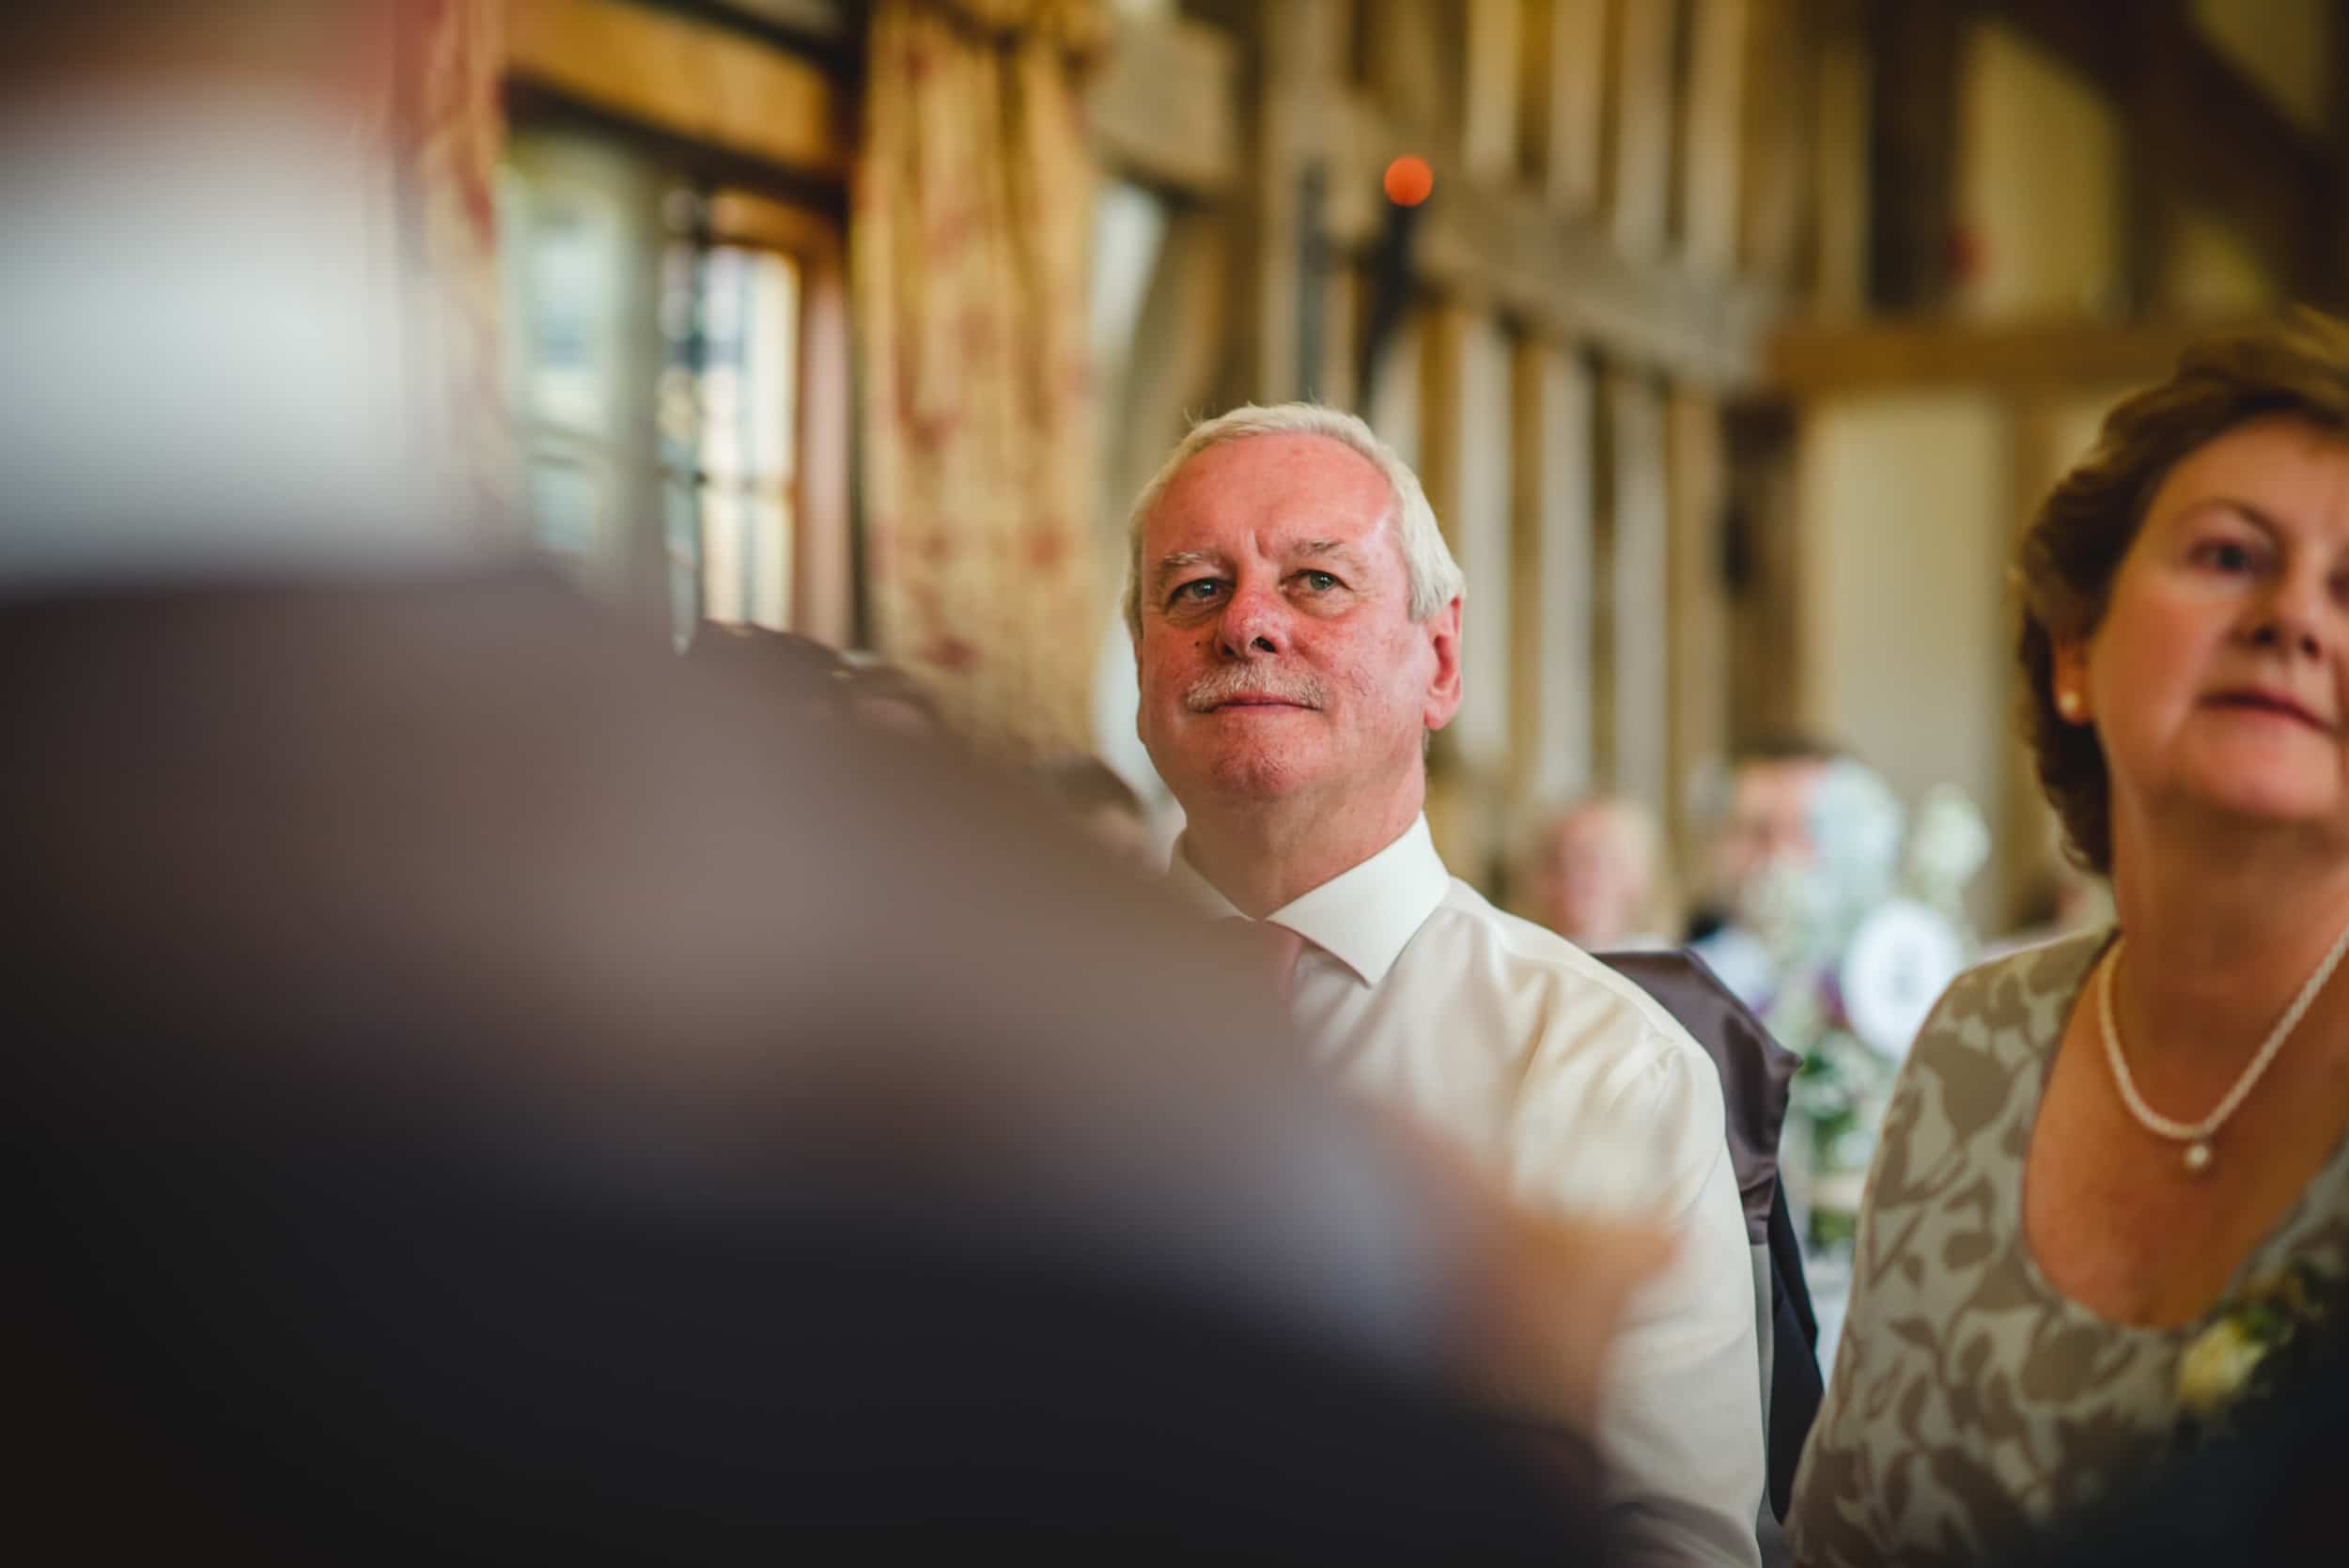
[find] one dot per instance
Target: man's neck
(1262, 855)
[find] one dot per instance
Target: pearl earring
(2068, 704)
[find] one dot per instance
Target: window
(675, 351)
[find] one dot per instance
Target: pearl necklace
(2196, 1136)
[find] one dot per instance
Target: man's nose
(1253, 624)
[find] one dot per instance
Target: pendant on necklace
(2198, 1158)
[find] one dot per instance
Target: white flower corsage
(2221, 1364)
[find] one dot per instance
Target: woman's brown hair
(2064, 569)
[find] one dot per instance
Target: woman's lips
(2277, 702)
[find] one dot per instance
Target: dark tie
(1277, 948)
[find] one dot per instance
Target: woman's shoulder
(2025, 992)
(1974, 1069)
(1943, 1300)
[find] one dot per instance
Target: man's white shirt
(1588, 1097)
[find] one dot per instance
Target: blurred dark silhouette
(486, 1093)
(2266, 1493)
(487, 1090)
(1104, 805)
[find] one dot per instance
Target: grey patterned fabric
(1970, 1401)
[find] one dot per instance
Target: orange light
(1409, 180)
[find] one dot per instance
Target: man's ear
(1443, 689)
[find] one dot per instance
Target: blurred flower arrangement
(1860, 941)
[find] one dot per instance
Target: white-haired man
(1296, 618)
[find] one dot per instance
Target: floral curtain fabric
(445, 120)
(968, 250)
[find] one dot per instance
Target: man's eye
(1197, 591)
(1319, 582)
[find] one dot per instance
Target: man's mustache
(1219, 686)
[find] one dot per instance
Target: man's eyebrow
(1182, 560)
(1325, 546)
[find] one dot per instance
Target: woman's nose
(2293, 614)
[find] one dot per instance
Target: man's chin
(1239, 773)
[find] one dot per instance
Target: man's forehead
(1290, 507)
(1280, 468)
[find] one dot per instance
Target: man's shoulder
(1605, 1082)
(1570, 989)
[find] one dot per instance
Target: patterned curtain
(447, 125)
(973, 206)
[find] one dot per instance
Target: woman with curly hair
(2102, 1153)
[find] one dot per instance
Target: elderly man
(1296, 617)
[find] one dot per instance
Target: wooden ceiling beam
(1164, 109)
(1811, 361)
(687, 77)
(1561, 272)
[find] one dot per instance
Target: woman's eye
(2223, 555)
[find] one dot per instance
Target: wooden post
(1776, 125)
(2021, 822)
(2150, 166)
(823, 585)
(1572, 168)
(1765, 674)
(1413, 51)
(1302, 55)
(1550, 620)
(1698, 667)
(1488, 89)
(1639, 604)
(1465, 443)
(1917, 49)
(1640, 124)
(1463, 465)
(1840, 175)
(1712, 167)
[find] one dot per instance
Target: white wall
(1903, 510)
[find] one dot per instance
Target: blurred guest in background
(1104, 805)
(1764, 826)
(2114, 1178)
(1296, 624)
(1598, 879)
(485, 1090)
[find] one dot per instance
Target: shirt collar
(1364, 916)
